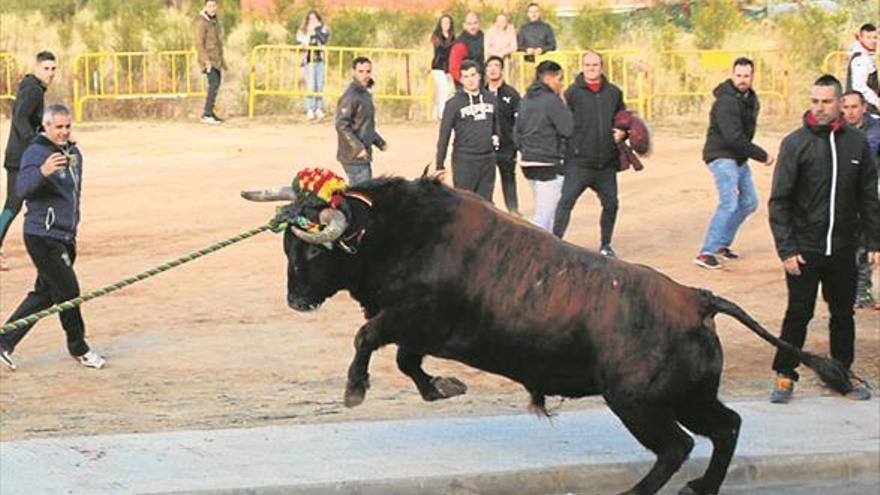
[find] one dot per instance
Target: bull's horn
(274, 194)
(336, 225)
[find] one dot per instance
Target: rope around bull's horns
(72, 303)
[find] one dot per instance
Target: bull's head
(314, 265)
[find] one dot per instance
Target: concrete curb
(591, 479)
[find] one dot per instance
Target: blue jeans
(314, 74)
(737, 199)
(358, 172)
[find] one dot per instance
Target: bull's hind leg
(431, 387)
(712, 419)
(656, 429)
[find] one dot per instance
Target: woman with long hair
(442, 39)
(313, 33)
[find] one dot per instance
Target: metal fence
(9, 76)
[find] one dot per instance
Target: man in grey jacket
(356, 124)
(543, 123)
(536, 36)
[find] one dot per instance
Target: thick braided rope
(72, 303)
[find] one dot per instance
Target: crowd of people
(824, 206)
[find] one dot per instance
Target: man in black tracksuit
(507, 99)
(27, 113)
(824, 185)
(592, 156)
(471, 113)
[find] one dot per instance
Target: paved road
(810, 489)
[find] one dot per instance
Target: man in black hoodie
(728, 148)
(507, 99)
(592, 156)
(471, 113)
(27, 114)
(824, 187)
(544, 122)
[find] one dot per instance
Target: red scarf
(814, 124)
(594, 86)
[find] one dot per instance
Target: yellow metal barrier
(621, 68)
(836, 64)
(9, 76)
(695, 73)
(277, 70)
(127, 75)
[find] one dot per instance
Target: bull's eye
(312, 252)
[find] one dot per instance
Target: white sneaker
(6, 359)
(310, 115)
(319, 114)
(91, 359)
(210, 119)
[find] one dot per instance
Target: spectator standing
(854, 109)
(500, 38)
(356, 124)
(732, 124)
(50, 181)
(542, 126)
(536, 36)
(468, 46)
(442, 38)
(507, 100)
(471, 114)
(862, 73)
(312, 34)
(824, 185)
(26, 123)
(209, 47)
(592, 157)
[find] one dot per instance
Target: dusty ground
(212, 344)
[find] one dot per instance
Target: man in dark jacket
(209, 48)
(507, 99)
(27, 112)
(50, 181)
(536, 36)
(732, 123)
(543, 124)
(471, 113)
(824, 187)
(356, 124)
(468, 46)
(592, 157)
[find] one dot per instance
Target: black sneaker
(707, 261)
(605, 250)
(782, 391)
(727, 254)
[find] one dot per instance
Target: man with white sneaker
(50, 181)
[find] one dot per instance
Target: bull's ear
(284, 193)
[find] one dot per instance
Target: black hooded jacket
(27, 116)
(473, 117)
(592, 142)
(732, 123)
(824, 184)
(508, 101)
(543, 123)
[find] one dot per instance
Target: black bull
(442, 273)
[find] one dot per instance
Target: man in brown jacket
(210, 54)
(356, 124)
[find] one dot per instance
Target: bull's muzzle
(298, 304)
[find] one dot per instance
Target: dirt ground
(212, 344)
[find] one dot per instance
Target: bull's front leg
(370, 337)
(430, 387)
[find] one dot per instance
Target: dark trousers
(358, 172)
(864, 288)
(507, 170)
(837, 275)
(213, 87)
(56, 282)
(12, 205)
(578, 179)
(475, 174)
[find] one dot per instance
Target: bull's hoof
(693, 488)
(355, 392)
(448, 386)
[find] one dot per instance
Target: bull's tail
(832, 372)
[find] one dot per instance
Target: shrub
(713, 21)
(354, 27)
(407, 30)
(812, 33)
(597, 27)
(258, 34)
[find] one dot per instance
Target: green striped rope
(72, 303)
